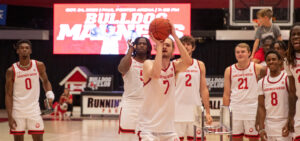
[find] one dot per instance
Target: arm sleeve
(259, 89)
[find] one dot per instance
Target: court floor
(78, 129)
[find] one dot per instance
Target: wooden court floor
(78, 129)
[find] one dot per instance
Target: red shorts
(260, 55)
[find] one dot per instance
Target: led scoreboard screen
(105, 28)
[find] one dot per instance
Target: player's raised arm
(226, 94)
(9, 97)
(152, 69)
(46, 83)
(184, 55)
(204, 92)
(126, 60)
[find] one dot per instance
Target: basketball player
(281, 48)
(240, 93)
(190, 88)
(292, 67)
(156, 121)
(273, 101)
(131, 68)
(22, 94)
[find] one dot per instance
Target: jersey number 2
(243, 83)
(187, 82)
(28, 83)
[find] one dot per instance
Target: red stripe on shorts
(252, 136)
(17, 132)
(297, 138)
(237, 135)
(35, 131)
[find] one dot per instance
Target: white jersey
(26, 91)
(243, 98)
(157, 112)
(133, 82)
(295, 72)
(187, 93)
(275, 90)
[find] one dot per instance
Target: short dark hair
(282, 45)
(273, 52)
(268, 38)
(17, 45)
(188, 39)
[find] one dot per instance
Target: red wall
(195, 3)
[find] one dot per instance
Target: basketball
(160, 28)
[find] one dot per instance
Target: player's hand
(157, 42)
(285, 130)
(209, 119)
(263, 136)
(130, 43)
(173, 32)
(12, 123)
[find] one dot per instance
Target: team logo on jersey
(282, 82)
(198, 132)
(171, 69)
(251, 130)
(37, 125)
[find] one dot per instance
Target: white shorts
(34, 124)
(274, 126)
(245, 128)
(187, 129)
(128, 119)
(297, 130)
(278, 138)
(151, 136)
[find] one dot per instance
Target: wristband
(261, 130)
(50, 95)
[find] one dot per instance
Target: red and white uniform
(187, 95)
(132, 97)
(26, 93)
(295, 72)
(156, 120)
(275, 90)
(243, 100)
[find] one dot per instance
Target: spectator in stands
(266, 29)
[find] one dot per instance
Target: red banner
(105, 28)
